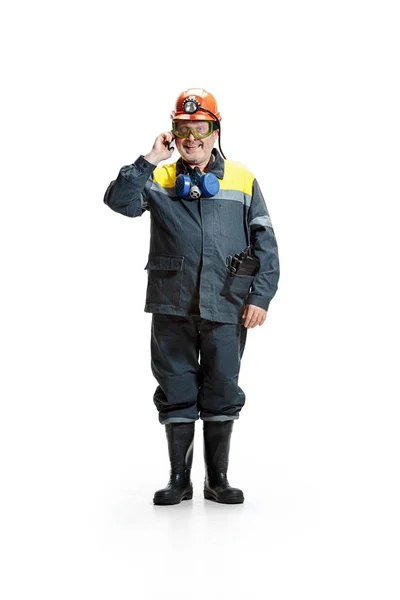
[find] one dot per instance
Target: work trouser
(188, 389)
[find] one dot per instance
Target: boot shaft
(217, 437)
(180, 438)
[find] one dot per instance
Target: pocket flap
(164, 262)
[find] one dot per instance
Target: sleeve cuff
(259, 301)
(141, 167)
(144, 164)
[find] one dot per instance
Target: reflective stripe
(157, 187)
(265, 221)
(233, 195)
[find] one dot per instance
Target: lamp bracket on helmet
(191, 105)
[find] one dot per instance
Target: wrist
(152, 158)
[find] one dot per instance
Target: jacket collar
(216, 166)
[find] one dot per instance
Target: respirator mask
(196, 184)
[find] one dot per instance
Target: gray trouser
(189, 389)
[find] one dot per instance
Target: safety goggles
(199, 129)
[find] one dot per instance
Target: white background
(309, 97)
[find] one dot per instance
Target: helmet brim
(197, 116)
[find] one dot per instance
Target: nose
(191, 137)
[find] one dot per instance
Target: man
(213, 269)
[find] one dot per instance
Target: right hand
(160, 151)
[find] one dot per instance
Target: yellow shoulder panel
(165, 175)
(237, 177)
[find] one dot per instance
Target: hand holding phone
(163, 148)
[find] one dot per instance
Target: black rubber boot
(217, 436)
(180, 438)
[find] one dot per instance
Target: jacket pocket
(236, 288)
(231, 219)
(164, 282)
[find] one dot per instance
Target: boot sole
(167, 502)
(238, 499)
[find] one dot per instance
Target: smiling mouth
(194, 147)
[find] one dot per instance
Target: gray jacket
(191, 239)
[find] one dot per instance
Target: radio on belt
(243, 263)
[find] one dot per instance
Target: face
(196, 151)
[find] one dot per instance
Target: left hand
(253, 315)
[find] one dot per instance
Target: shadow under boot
(217, 435)
(180, 437)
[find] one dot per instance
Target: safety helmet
(196, 104)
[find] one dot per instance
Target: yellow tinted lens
(203, 129)
(199, 129)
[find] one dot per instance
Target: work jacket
(191, 239)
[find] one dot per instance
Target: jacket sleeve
(263, 242)
(128, 193)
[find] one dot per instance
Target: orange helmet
(190, 103)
